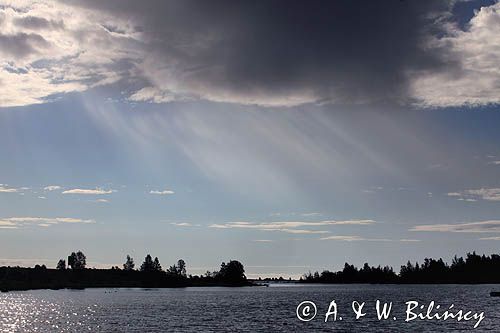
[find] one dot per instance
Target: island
(75, 275)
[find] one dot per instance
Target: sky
(292, 136)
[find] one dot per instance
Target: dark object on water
(495, 294)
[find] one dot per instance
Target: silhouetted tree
(77, 260)
(232, 272)
(129, 264)
(181, 266)
(351, 274)
(147, 265)
(61, 265)
(156, 265)
(172, 270)
(308, 276)
(179, 269)
(473, 269)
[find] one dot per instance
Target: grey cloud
(277, 53)
(35, 23)
(22, 44)
(283, 52)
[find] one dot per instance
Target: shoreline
(226, 285)
(20, 278)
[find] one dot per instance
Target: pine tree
(129, 264)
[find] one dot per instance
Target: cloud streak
(495, 238)
(184, 224)
(292, 227)
(96, 191)
(357, 238)
(488, 194)
(19, 222)
(6, 189)
(163, 192)
(469, 227)
(52, 188)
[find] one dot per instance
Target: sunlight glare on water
(26, 312)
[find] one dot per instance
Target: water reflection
(216, 309)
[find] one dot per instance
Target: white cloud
(262, 240)
(488, 194)
(355, 239)
(373, 189)
(52, 188)
(6, 189)
(477, 81)
(496, 238)
(289, 226)
(185, 224)
(360, 238)
(164, 192)
(182, 224)
(472, 227)
(96, 191)
(66, 50)
(152, 94)
(311, 214)
(302, 231)
(17, 222)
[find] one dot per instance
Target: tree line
(74, 273)
(78, 260)
(473, 269)
(233, 271)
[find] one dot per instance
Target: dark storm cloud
(348, 51)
